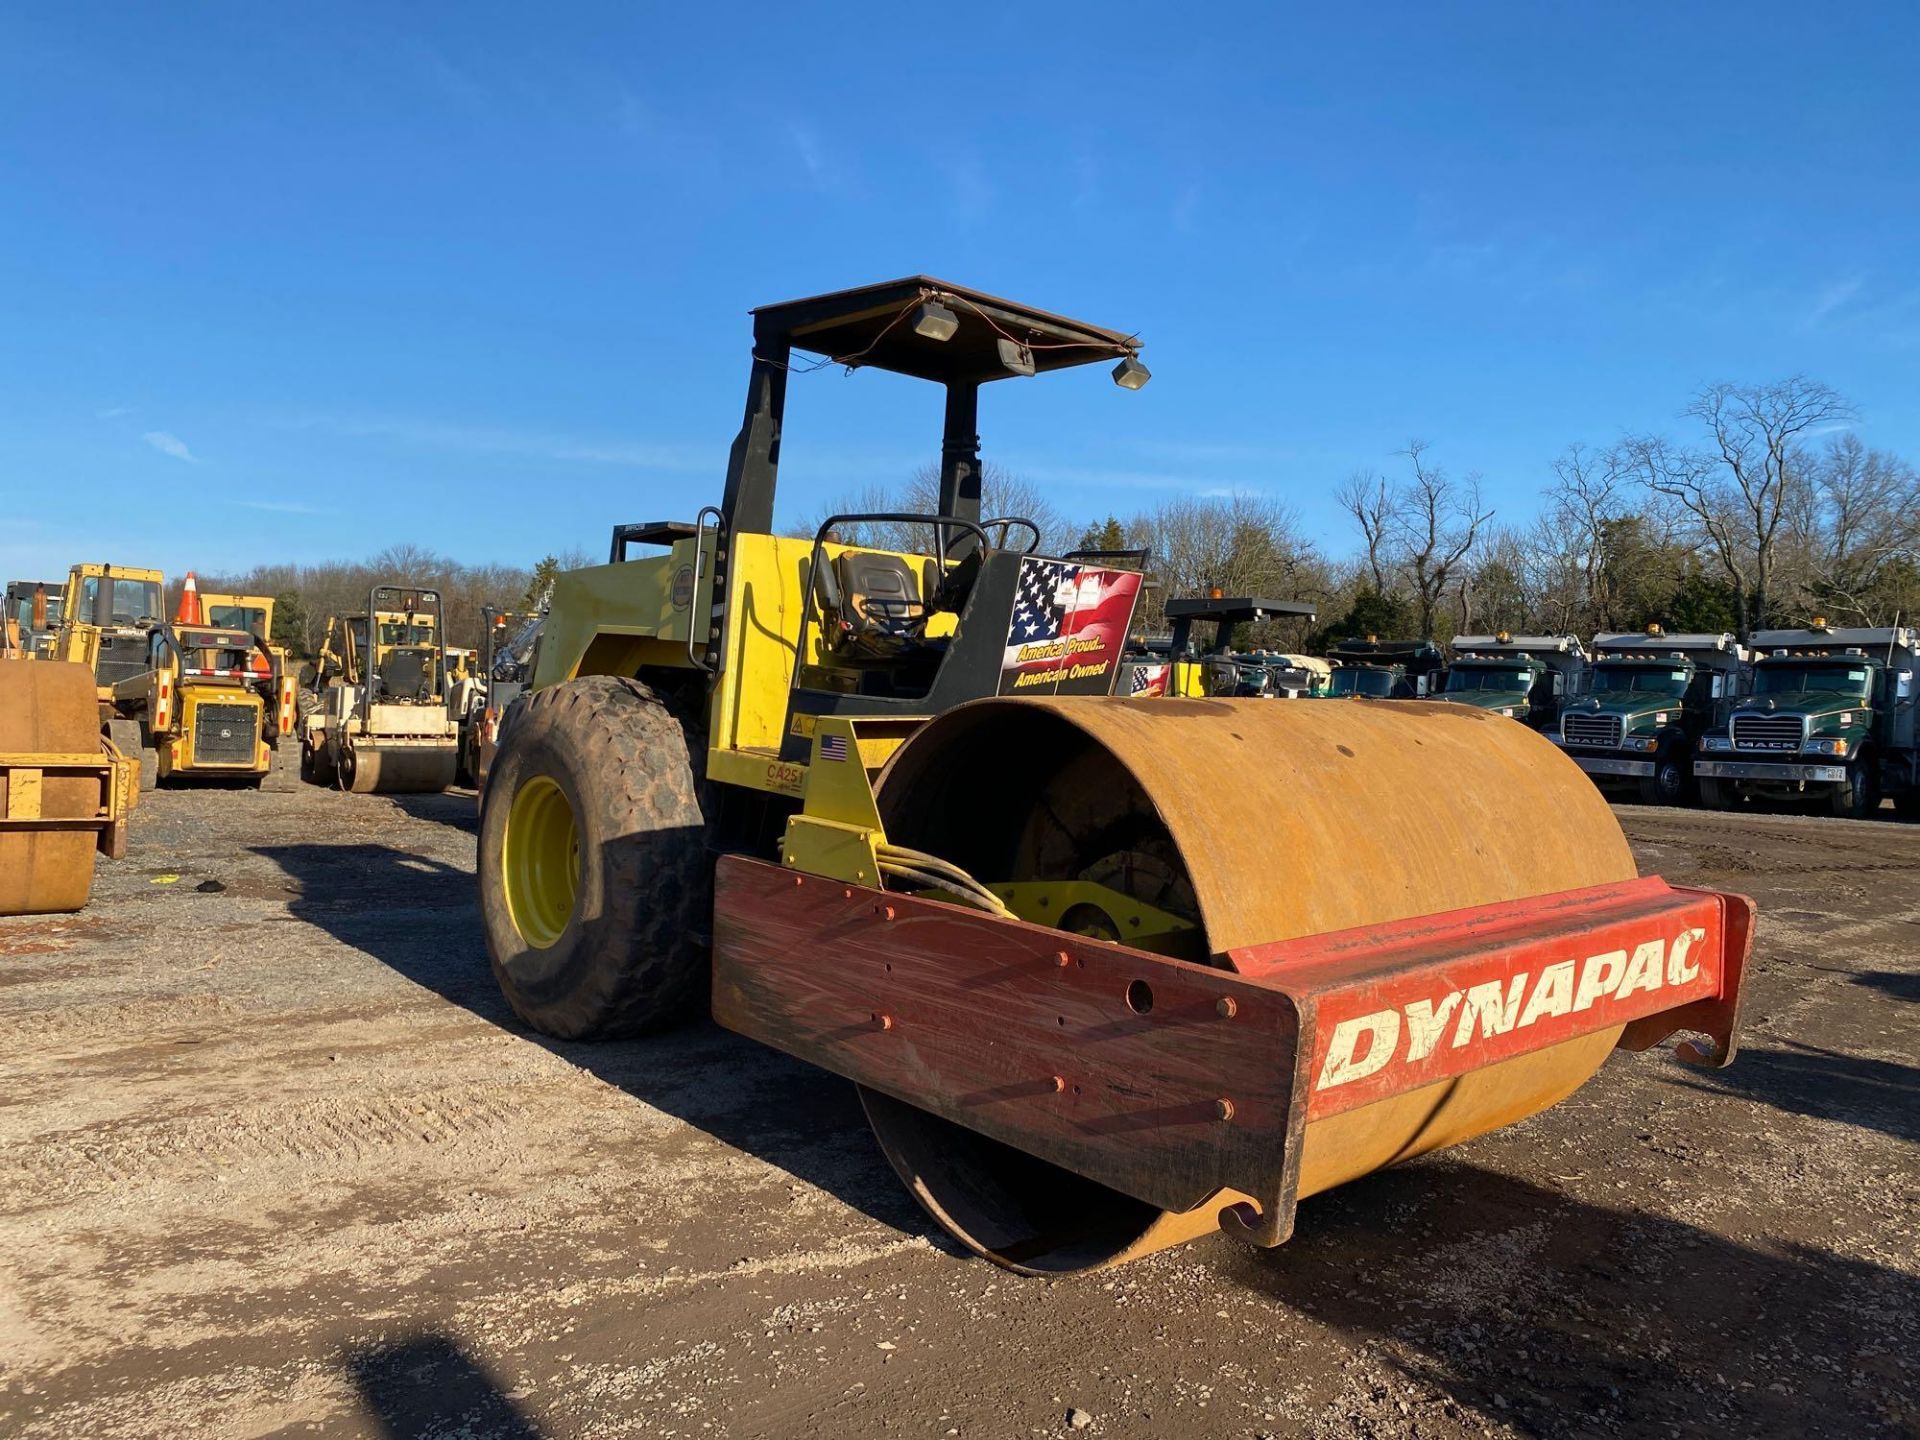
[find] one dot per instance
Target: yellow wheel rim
(542, 861)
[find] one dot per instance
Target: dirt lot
(275, 1159)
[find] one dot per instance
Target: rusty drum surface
(1259, 820)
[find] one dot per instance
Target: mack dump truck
(1650, 697)
(1385, 669)
(1525, 677)
(882, 810)
(1829, 719)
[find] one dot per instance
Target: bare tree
(1739, 492)
(1367, 497)
(1435, 522)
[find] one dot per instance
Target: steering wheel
(1007, 522)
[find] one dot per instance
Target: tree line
(1762, 508)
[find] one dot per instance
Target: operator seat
(873, 605)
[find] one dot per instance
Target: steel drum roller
(1260, 821)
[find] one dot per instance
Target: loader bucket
(63, 793)
(1410, 924)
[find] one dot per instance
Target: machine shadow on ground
(1878, 1095)
(1895, 983)
(457, 809)
(428, 1386)
(1567, 1318)
(420, 918)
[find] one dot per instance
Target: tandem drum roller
(1363, 874)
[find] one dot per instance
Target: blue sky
(483, 271)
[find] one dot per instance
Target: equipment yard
(276, 1159)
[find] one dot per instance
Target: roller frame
(1026, 1034)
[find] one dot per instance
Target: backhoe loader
(1110, 974)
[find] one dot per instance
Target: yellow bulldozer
(383, 722)
(1110, 973)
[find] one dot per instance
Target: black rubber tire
(1907, 805)
(1859, 796)
(315, 768)
(634, 954)
(1716, 795)
(1670, 780)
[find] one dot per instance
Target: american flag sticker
(833, 747)
(1068, 628)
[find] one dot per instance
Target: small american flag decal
(833, 747)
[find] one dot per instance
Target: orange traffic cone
(189, 611)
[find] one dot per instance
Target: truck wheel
(1907, 805)
(1668, 783)
(1858, 796)
(596, 889)
(1718, 794)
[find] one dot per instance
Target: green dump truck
(1384, 669)
(1528, 677)
(1649, 698)
(1828, 719)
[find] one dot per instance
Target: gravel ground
(275, 1159)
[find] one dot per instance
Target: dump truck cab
(106, 616)
(1648, 699)
(881, 808)
(1526, 677)
(30, 621)
(1828, 719)
(1384, 669)
(384, 721)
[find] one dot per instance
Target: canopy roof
(873, 325)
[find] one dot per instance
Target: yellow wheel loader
(383, 722)
(106, 615)
(1109, 973)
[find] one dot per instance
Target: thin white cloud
(169, 444)
(113, 412)
(1833, 297)
(813, 158)
(279, 507)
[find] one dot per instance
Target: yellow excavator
(1109, 973)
